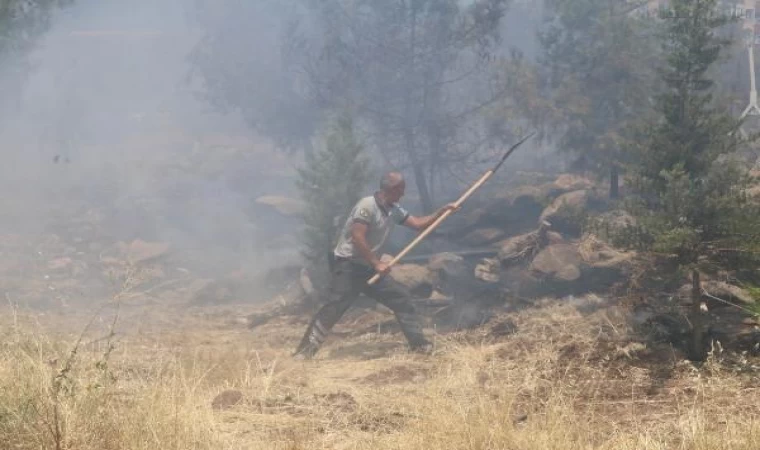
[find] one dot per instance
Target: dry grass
(569, 378)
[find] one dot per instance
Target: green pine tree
(330, 183)
(596, 66)
(691, 192)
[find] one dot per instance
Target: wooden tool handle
(434, 225)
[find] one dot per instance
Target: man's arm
(420, 223)
(359, 237)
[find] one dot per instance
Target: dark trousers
(347, 282)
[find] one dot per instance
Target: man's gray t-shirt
(379, 221)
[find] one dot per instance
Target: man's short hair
(391, 180)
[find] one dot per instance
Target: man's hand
(449, 207)
(420, 223)
(382, 268)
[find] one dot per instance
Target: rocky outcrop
(509, 213)
(558, 262)
(563, 266)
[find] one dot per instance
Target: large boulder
(511, 212)
(600, 255)
(488, 270)
(602, 264)
(560, 262)
(446, 264)
(417, 278)
(567, 212)
(569, 267)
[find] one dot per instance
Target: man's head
(392, 186)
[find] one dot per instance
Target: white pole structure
(752, 108)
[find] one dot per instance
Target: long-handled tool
(458, 203)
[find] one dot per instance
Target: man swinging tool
(356, 260)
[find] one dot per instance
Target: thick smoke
(108, 137)
(108, 128)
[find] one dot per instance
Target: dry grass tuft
(570, 377)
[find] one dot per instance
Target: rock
(597, 254)
(437, 295)
(721, 290)
(513, 211)
(488, 270)
(483, 236)
(284, 205)
(552, 237)
(227, 399)
(418, 279)
(445, 268)
(471, 218)
(565, 211)
(558, 261)
(445, 261)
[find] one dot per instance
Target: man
(356, 261)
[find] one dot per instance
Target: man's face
(395, 193)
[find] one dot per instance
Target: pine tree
(691, 193)
(330, 183)
(596, 66)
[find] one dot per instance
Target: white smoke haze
(109, 137)
(108, 123)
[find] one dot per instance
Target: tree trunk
(614, 182)
(419, 174)
(698, 350)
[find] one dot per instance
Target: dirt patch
(338, 401)
(397, 375)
